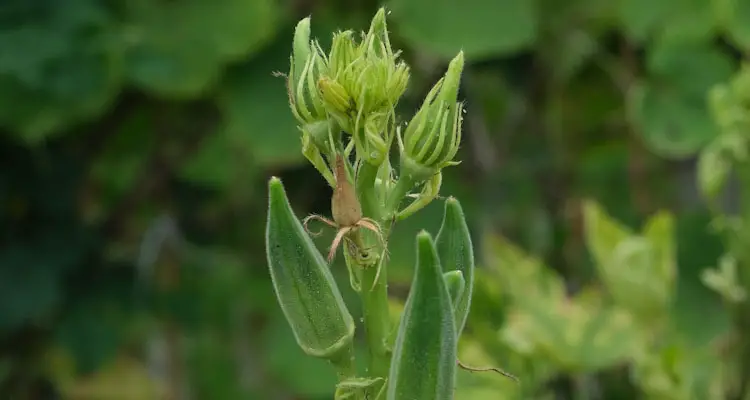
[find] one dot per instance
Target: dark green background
(136, 139)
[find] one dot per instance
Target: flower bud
(372, 142)
(307, 64)
(311, 134)
(432, 137)
(368, 72)
(335, 96)
(305, 289)
(344, 53)
(387, 76)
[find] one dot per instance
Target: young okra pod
(456, 253)
(423, 365)
(456, 284)
(304, 286)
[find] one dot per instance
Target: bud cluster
(354, 90)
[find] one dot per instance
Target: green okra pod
(456, 253)
(456, 284)
(423, 365)
(304, 286)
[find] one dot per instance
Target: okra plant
(344, 102)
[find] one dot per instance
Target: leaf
(714, 167)
(57, 71)
(524, 277)
(602, 233)
(576, 334)
(736, 20)
(671, 108)
(659, 231)
(670, 125)
(481, 28)
(691, 69)
(640, 18)
(179, 50)
(681, 20)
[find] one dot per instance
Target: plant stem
(344, 364)
(403, 185)
(374, 294)
(376, 319)
(365, 188)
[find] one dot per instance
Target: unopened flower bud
(335, 96)
(307, 64)
(432, 137)
(373, 144)
(344, 52)
(338, 102)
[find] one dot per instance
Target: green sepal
(302, 281)
(456, 253)
(423, 365)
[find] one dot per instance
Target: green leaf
(482, 28)
(638, 270)
(523, 277)
(714, 167)
(691, 69)
(640, 18)
(659, 231)
(736, 20)
(670, 125)
(680, 20)
(179, 50)
(671, 109)
(52, 74)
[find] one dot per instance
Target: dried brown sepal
(345, 206)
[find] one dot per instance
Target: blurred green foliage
(137, 136)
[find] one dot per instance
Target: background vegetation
(137, 138)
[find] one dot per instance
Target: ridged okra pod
(304, 286)
(456, 253)
(423, 365)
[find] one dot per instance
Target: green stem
(365, 188)
(344, 364)
(404, 184)
(375, 310)
(376, 319)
